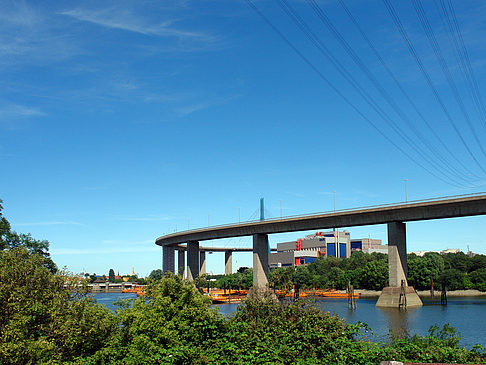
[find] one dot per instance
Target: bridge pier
(228, 262)
(181, 262)
(168, 253)
(192, 260)
(397, 270)
(202, 262)
(260, 260)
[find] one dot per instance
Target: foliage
(478, 279)
(242, 279)
(172, 324)
(454, 279)
(370, 271)
(46, 318)
(421, 270)
(111, 276)
(374, 275)
(156, 274)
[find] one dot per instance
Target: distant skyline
(124, 120)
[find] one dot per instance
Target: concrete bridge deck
(394, 215)
(460, 206)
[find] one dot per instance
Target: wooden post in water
(348, 290)
(431, 287)
(402, 302)
(351, 298)
(443, 294)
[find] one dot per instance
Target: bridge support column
(192, 260)
(395, 295)
(260, 260)
(168, 259)
(228, 262)
(181, 262)
(202, 262)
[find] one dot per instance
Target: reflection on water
(467, 315)
(399, 321)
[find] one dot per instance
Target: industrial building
(331, 243)
(368, 245)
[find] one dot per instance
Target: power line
(294, 16)
(336, 90)
(407, 96)
(417, 59)
(445, 69)
(447, 12)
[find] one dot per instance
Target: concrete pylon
(168, 259)
(192, 260)
(181, 262)
(202, 262)
(260, 260)
(397, 254)
(394, 295)
(228, 262)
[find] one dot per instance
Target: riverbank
(425, 293)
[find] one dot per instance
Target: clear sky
(124, 120)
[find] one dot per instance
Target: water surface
(467, 315)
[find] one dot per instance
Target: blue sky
(124, 120)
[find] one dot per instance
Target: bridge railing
(409, 202)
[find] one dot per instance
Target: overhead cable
(338, 92)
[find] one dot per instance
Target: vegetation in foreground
(46, 319)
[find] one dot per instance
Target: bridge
(394, 215)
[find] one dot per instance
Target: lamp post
(334, 199)
(406, 198)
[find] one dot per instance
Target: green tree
(172, 324)
(156, 274)
(46, 318)
(111, 276)
(302, 277)
(454, 279)
(374, 275)
(422, 269)
(478, 262)
(458, 261)
(478, 279)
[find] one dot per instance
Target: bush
(46, 318)
(173, 323)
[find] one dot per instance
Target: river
(467, 315)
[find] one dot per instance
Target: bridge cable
(325, 51)
(411, 48)
(403, 91)
(359, 62)
(449, 18)
(445, 69)
(339, 93)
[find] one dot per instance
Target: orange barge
(138, 289)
